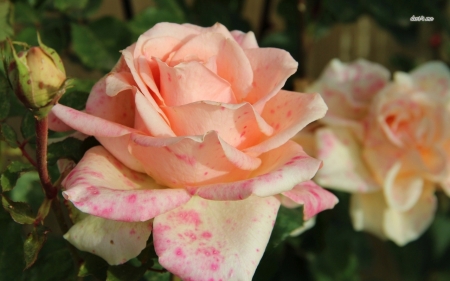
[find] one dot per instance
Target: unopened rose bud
(38, 78)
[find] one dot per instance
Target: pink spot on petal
(131, 199)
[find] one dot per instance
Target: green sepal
(52, 54)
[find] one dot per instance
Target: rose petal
(343, 166)
(402, 189)
(306, 226)
(152, 122)
(102, 186)
(115, 241)
(288, 113)
(89, 124)
(118, 147)
(367, 212)
(403, 227)
(55, 124)
(211, 240)
(434, 79)
(182, 161)
(281, 169)
(118, 107)
(245, 40)
(163, 29)
(232, 63)
(190, 82)
(314, 198)
(237, 124)
(271, 68)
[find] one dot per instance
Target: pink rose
(195, 133)
(395, 155)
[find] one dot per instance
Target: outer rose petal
(281, 169)
(102, 186)
(314, 198)
(343, 166)
(403, 227)
(434, 79)
(238, 124)
(402, 190)
(114, 241)
(367, 212)
(288, 113)
(192, 160)
(215, 240)
(271, 68)
(152, 121)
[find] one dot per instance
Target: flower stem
(41, 157)
(25, 153)
(51, 192)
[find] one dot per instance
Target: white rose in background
(388, 144)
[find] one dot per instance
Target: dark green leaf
(125, 272)
(98, 44)
(44, 209)
(27, 127)
(4, 97)
(11, 248)
(67, 5)
(54, 263)
(9, 135)
(157, 276)
(12, 173)
(93, 265)
(68, 148)
(25, 14)
(33, 245)
(20, 212)
(153, 15)
(6, 29)
(28, 189)
(287, 221)
(77, 95)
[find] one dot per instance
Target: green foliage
(33, 244)
(98, 43)
(93, 265)
(20, 212)
(9, 135)
(11, 248)
(27, 127)
(68, 148)
(12, 173)
(5, 104)
(6, 29)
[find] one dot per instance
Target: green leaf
(11, 248)
(25, 14)
(67, 5)
(27, 127)
(9, 135)
(76, 96)
(93, 265)
(75, 215)
(157, 276)
(6, 29)
(153, 15)
(125, 272)
(98, 44)
(287, 221)
(68, 148)
(54, 262)
(20, 212)
(4, 97)
(33, 245)
(12, 173)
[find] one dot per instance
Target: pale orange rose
(195, 133)
(391, 151)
